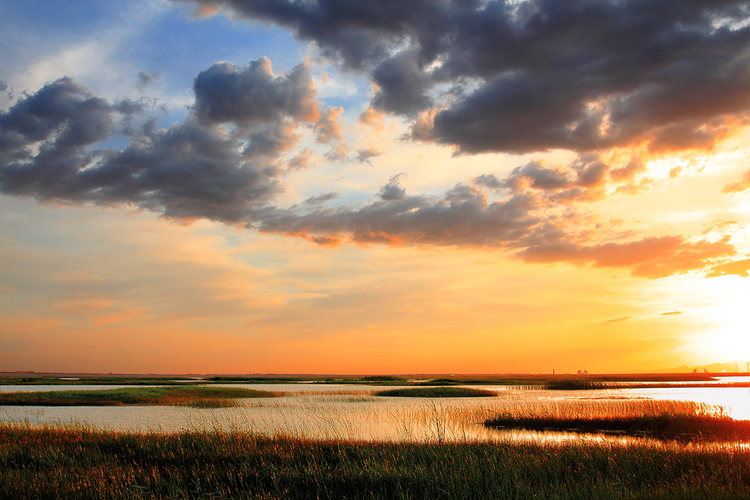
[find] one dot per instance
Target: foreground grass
(70, 463)
(437, 392)
(195, 396)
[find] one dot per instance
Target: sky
(374, 187)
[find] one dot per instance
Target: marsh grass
(184, 395)
(682, 420)
(574, 384)
(437, 392)
(81, 463)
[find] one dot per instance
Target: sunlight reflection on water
(352, 412)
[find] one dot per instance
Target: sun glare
(729, 339)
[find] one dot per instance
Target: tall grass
(79, 463)
(184, 395)
(437, 392)
(660, 419)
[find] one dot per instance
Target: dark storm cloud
(536, 75)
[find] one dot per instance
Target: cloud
(651, 257)
(371, 118)
(145, 78)
(249, 96)
(538, 75)
(739, 186)
(738, 268)
(672, 313)
(328, 131)
(301, 160)
(364, 155)
(318, 200)
(196, 169)
(221, 164)
(617, 320)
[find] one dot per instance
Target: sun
(728, 312)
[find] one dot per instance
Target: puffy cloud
(221, 164)
(372, 118)
(197, 169)
(402, 86)
(536, 75)
(273, 140)
(328, 131)
(225, 93)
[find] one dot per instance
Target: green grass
(75, 463)
(437, 392)
(184, 395)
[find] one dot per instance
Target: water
(352, 412)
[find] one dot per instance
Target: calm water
(352, 412)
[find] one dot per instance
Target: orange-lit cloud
(648, 258)
(738, 268)
(739, 186)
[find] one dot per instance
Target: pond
(352, 412)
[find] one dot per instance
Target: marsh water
(329, 411)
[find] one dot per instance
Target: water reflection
(353, 413)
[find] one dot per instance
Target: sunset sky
(374, 186)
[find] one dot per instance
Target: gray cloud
(364, 155)
(192, 170)
(145, 78)
(320, 199)
(250, 96)
(300, 160)
(531, 76)
(203, 169)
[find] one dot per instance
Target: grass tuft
(573, 384)
(185, 395)
(437, 392)
(672, 420)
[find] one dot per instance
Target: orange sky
(303, 214)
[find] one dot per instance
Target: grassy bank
(60, 463)
(681, 420)
(437, 392)
(195, 396)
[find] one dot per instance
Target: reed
(659, 419)
(183, 395)
(437, 392)
(80, 463)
